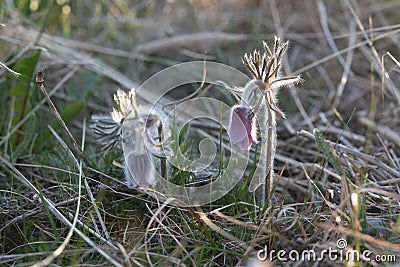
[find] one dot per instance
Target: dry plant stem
(40, 82)
(16, 74)
(278, 27)
(375, 56)
(328, 34)
(89, 190)
(347, 67)
(34, 212)
(154, 218)
(382, 129)
(384, 73)
(355, 153)
(101, 221)
(386, 150)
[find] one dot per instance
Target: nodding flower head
(265, 67)
(138, 167)
(137, 128)
(242, 130)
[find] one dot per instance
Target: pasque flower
(135, 128)
(138, 166)
(262, 88)
(259, 100)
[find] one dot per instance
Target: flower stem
(254, 91)
(270, 155)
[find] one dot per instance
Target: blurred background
(139, 38)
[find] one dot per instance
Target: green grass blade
(323, 146)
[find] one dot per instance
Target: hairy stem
(254, 97)
(270, 153)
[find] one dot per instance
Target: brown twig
(40, 83)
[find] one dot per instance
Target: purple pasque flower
(242, 129)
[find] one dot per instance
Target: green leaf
(30, 132)
(82, 88)
(22, 91)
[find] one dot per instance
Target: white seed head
(126, 105)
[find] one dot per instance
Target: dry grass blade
(384, 73)
(317, 62)
(16, 74)
(59, 215)
(188, 40)
(155, 219)
(377, 66)
(384, 130)
(329, 37)
(220, 231)
(347, 69)
(358, 154)
(56, 253)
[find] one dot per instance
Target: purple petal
(242, 128)
(139, 170)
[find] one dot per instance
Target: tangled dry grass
(341, 182)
